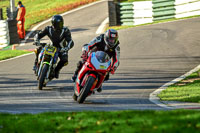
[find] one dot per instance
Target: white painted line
(102, 27)
(155, 99)
(48, 20)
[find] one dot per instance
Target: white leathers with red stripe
(87, 47)
(99, 42)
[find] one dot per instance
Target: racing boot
(60, 65)
(79, 65)
(57, 70)
(57, 74)
(99, 89)
(35, 66)
(37, 51)
(74, 76)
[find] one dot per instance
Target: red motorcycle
(91, 75)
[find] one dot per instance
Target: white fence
(141, 12)
(4, 34)
(186, 8)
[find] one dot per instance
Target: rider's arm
(41, 34)
(68, 38)
(92, 44)
(115, 59)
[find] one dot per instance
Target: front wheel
(43, 74)
(74, 96)
(86, 89)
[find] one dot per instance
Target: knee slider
(79, 64)
(66, 63)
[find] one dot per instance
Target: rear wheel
(86, 89)
(43, 74)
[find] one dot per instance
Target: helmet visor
(112, 41)
(58, 25)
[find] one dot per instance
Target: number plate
(102, 67)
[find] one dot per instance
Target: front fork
(49, 71)
(41, 64)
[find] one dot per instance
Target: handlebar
(40, 44)
(43, 44)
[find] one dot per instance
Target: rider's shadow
(96, 102)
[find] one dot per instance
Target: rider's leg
(79, 66)
(106, 78)
(37, 52)
(63, 62)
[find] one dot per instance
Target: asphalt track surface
(150, 57)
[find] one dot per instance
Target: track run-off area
(151, 56)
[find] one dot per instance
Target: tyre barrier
(186, 8)
(141, 12)
(136, 13)
(4, 34)
(12, 27)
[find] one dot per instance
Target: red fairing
(86, 67)
(83, 74)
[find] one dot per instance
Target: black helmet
(111, 38)
(57, 22)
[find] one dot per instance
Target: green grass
(177, 121)
(38, 10)
(6, 54)
(186, 90)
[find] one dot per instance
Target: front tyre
(43, 74)
(74, 96)
(86, 89)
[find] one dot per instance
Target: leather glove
(84, 55)
(65, 49)
(112, 70)
(37, 43)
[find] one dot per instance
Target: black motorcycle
(45, 69)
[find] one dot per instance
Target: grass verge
(6, 54)
(186, 90)
(39, 10)
(175, 121)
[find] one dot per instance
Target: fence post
(1, 14)
(113, 13)
(12, 8)
(12, 23)
(12, 26)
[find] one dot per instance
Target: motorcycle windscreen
(100, 60)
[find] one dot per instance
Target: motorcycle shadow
(96, 102)
(57, 88)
